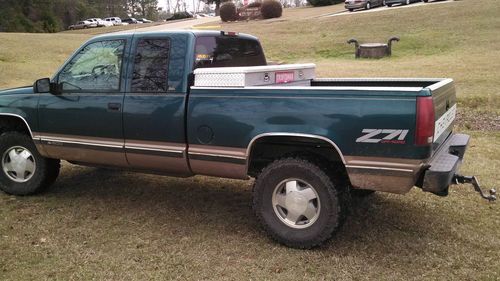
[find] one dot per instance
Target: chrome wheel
(18, 163)
(296, 203)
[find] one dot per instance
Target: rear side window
(223, 51)
(151, 66)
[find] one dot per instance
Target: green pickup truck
(190, 103)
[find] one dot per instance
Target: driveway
(385, 8)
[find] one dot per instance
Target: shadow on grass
(378, 224)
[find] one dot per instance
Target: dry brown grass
(26, 57)
(109, 225)
(101, 224)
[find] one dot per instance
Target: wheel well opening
(13, 123)
(265, 150)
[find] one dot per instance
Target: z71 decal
(383, 136)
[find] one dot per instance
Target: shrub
(228, 12)
(271, 9)
(180, 15)
(316, 3)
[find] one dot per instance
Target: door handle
(114, 106)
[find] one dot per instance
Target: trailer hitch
(459, 179)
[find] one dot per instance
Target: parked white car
(115, 21)
(82, 25)
(101, 22)
(98, 21)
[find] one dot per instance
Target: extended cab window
(96, 67)
(151, 66)
(225, 51)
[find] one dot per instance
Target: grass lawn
(110, 225)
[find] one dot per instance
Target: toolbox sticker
(284, 77)
(383, 136)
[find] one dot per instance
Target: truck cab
(120, 99)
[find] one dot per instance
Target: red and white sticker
(284, 77)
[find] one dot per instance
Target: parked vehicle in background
(82, 25)
(145, 20)
(114, 20)
(351, 5)
(130, 20)
(389, 3)
(100, 22)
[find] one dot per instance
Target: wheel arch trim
(286, 134)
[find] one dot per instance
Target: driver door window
(95, 68)
(84, 123)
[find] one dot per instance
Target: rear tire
(23, 170)
(368, 6)
(297, 203)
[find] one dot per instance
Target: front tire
(297, 203)
(368, 6)
(23, 170)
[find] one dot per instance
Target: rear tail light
(424, 133)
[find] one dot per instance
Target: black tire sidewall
(9, 140)
(329, 215)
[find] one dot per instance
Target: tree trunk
(217, 8)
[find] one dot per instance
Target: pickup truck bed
(333, 110)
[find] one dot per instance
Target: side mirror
(42, 85)
(45, 86)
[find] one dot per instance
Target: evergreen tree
(56, 15)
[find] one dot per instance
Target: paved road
(384, 8)
(185, 24)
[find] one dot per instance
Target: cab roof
(195, 33)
